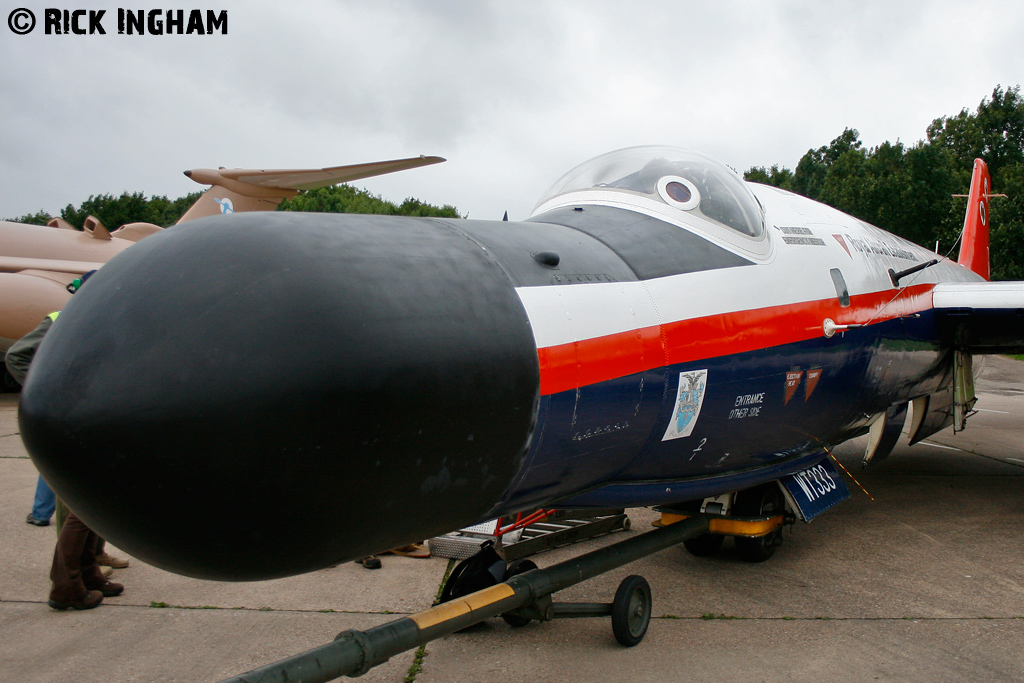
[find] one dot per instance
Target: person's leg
(74, 548)
(92, 574)
(43, 505)
(61, 515)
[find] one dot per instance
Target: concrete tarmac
(923, 583)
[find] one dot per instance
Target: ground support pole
(353, 653)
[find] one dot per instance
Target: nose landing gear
(763, 501)
(755, 518)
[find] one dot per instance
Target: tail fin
(236, 190)
(229, 196)
(974, 244)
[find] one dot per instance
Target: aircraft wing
(35, 266)
(314, 178)
(982, 317)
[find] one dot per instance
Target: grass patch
(440, 589)
(417, 664)
(421, 651)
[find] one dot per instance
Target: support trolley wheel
(631, 610)
(763, 500)
(482, 570)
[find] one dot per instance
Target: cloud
(513, 94)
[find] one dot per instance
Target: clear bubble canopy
(682, 179)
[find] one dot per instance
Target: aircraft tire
(704, 545)
(759, 501)
(631, 610)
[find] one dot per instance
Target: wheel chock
(748, 527)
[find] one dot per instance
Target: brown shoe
(106, 571)
(91, 599)
(370, 562)
(108, 588)
(105, 559)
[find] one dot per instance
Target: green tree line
(113, 212)
(132, 207)
(348, 199)
(908, 190)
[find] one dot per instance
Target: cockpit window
(684, 180)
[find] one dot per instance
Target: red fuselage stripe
(565, 367)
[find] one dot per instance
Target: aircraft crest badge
(689, 400)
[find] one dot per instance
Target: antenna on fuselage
(896, 277)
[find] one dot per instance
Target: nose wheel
(761, 501)
(755, 521)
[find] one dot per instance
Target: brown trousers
(62, 514)
(75, 572)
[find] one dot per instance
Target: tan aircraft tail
(241, 189)
(237, 190)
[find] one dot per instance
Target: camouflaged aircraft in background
(37, 262)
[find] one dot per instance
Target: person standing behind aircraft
(78, 582)
(18, 359)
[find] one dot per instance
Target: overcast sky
(513, 94)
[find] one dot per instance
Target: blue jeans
(45, 503)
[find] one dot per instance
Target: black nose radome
(254, 396)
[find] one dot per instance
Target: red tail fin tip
(974, 244)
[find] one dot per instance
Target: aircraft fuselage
(225, 389)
